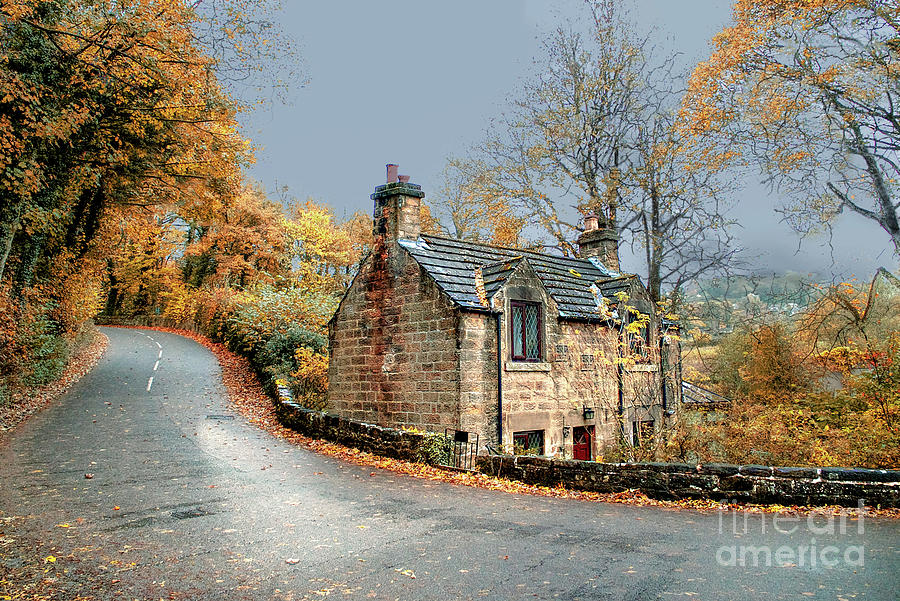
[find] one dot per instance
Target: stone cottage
(531, 351)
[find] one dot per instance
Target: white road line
(149, 384)
(159, 356)
(157, 344)
(155, 367)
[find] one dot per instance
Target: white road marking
(149, 383)
(157, 344)
(159, 356)
(155, 367)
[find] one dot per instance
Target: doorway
(582, 437)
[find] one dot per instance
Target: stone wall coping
(834, 474)
(395, 188)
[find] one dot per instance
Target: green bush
(435, 449)
(47, 351)
(281, 332)
(279, 352)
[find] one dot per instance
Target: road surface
(210, 507)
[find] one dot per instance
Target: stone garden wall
(738, 483)
(388, 442)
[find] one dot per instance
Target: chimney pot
(396, 211)
(392, 173)
(599, 242)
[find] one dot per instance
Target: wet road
(211, 508)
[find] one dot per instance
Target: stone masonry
(394, 358)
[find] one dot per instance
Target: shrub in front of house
(435, 449)
(281, 332)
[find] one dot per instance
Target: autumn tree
(810, 89)
(680, 224)
(847, 314)
(596, 129)
(117, 103)
(238, 243)
(106, 104)
(475, 207)
(322, 252)
(144, 267)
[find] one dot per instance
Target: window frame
(524, 358)
(525, 434)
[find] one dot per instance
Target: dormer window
(525, 326)
(639, 344)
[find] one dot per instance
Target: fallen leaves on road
(250, 400)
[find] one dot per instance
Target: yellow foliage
(312, 373)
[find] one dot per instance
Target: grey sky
(412, 82)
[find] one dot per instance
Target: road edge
(30, 402)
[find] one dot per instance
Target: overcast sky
(414, 82)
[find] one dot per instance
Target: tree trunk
(654, 249)
(8, 228)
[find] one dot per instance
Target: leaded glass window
(530, 442)
(525, 326)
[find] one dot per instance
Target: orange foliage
(808, 88)
(242, 241)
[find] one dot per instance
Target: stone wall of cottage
(579, 370)
(478, 376)
(548, 395)
(393, 349)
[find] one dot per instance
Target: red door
(581, 442)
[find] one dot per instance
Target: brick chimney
(396, 212)
(599, 241)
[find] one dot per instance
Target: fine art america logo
(814, 539)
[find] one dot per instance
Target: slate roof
(452, 264)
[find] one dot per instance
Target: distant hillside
(716, 306)
(769, 288)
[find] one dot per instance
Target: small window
(530, 442)
(525, 327)
(642, 433)
(638, 344)
(587, 362)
